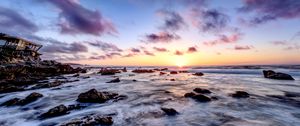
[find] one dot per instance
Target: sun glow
(180, 62)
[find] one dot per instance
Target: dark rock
(56, 111)
(134, 80)
(10, 88)
(76, 75)
(162, 73)
(124, 69)
(169, 111)
(202, 91)
(279, 76)
(191, 94)
(143, 71)
(117, 80)
(103, 120)
(240, 94)
(30, 98)
(106, 71)
(173, 72)
(198, 74)
(201, 98)
(75, 107)
(172, 79)
(183, 71)
(11, 102)
(92, 96)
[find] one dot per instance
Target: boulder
(90, 121)
(117, 80)
(279, 76)
(198, 74)
(169, 111)
(10, 88)
(30, 98)
(103, 120)
(143, 71)
(201, 98)
(172, 79)
(56, 111)
(11, 102)
(92, 96)
(162, 73)
(173, 72)
(191, 94)
(240, 94)
(202, 91)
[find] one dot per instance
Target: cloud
(160, 49)
(76, 19)
(178, 53)
(13, 21)
(161, 37)
(148, 53)
(101, 57)
(192, 49)
(294, 46)
(209, 20)
(224, 39)
(105, 46)
(279, 42)
(172, 20)
(237, 47)
(268, 10)
(64, 48)
(135, 50)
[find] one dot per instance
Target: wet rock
(173, 72)
(93, 96)
(292, 94)
(10, 88)
(143, 71)
(117, 80)
(134, 80)
(162, 73)
(56, 111)
(279, 76)
(48, 85)
(202, 91)
(90, 121)
(183, 71)
(106, 71)
(124, 69)
(30, 98)
(172, 79)
(76, 75)
(75, 107)
(198, 74)
(11, 102)
(191, 94)
(201, 98)
(240, 94)
(169, 111)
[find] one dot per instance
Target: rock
(56, 111)
(169, 111)
(114, 81)
(30, 98)
(124, 69)
(183, 71)
(201, 98)
(173, 72)
(172, 79)
(143, 71)
(134, 80)
(105, 71)
(191, 94)
(240, 94)
(103, 120)
(198, 74)
(11, 102)
(202, 91)
(75, 107)
(76, 75)
(162, 73)
(10, 88)
(92, 96)
(279, 76)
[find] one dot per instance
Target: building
(18, 47)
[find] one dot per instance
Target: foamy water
(151, 92)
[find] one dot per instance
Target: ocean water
(151, 92)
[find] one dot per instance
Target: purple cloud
(192, 49)
(279, 42)
(76, 19)
(224, 39)
(160, 49)
(237, 47)
(178, 53)
(65, 48)
(210, 20)
(11, 20)
(148, 53)
(268, 10)
(135, 50)
(162, 37)
(105, 46)
(172, 20)
(98, 57)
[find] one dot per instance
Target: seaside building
(14, 47)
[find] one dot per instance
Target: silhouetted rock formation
(279, 76)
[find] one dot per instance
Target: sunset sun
(180, 62)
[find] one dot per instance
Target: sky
(158, 32)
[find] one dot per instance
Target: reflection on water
(151, 92)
